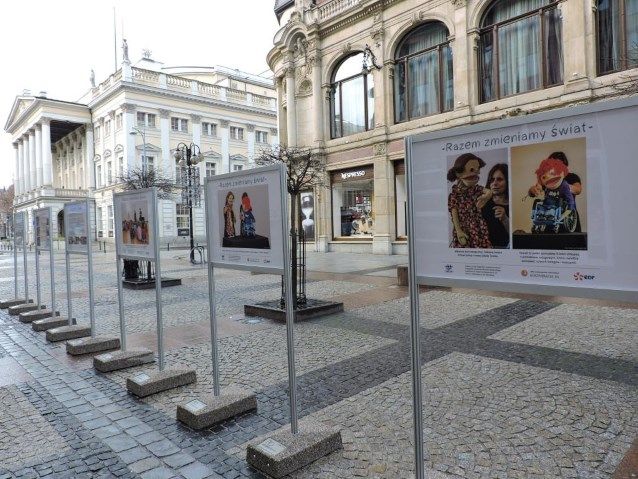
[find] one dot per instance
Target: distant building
(355, 77)
(68, 150)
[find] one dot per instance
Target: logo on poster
(578, 276)
(449, 268)
(524, 273)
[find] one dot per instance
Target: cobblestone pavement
(512, 387)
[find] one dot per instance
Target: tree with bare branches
(305, 171)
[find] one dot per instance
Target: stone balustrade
(334, 8)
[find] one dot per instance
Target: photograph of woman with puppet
(550, 178)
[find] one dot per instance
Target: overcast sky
(52, 46)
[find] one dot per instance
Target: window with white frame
(238, 167)
(182, 219)
(109, 212)
(98, 132)
(211, 169)
(147, 163)
(120, 170)
(145, 120)
(236, 133)
(98, 221)
(118, 121)
(261, 136)
(179, 124)
(109, 173)
(107, 128)
(98, 175)
(209, 129)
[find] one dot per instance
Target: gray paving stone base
(210, 410)
(284, 452)
(49, 323)
(64, 333)
(7, 303)
(23, 308)
(106, 363)
(161, 381)
(31, 316)
(313, 309)
(77, 347)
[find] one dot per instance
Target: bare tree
(305, 170)
(6, 208)
(140, 178)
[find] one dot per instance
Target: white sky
(52, 46)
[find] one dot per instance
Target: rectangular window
(147, 163)
(261, 136)
(238, 167)
(236, 133)
(211, 169)
(145, 120)
(118, 121)
(150, 120)
(109, 173)
(109, 212)
(98, 176)
(107, 128)
(182, 220)
(98, 222)
(98, 132)
(209, 129)
(179, 124)
(120, 170)
(352, 203)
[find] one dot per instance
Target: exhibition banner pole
(89, 252)
(120, 301)
(24, 256)
(415, 344)
(290, 307)
(15, 259)
(158, 283)
(211, 304)
(69, 306)
(52, 267)
(37, 260)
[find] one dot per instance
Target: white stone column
(16, 173)
(168, 163)
(251, 143)
(318, 101)
(291, 107)
(225, 137)
(33, 172)
(20, 172)
(47, 160)
(89, 148)
(38, 155)
(27, 163)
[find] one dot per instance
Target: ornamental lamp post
(187, 157)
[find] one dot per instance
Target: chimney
(43, 94)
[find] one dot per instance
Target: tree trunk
(130, 269)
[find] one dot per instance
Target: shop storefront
(353, 203)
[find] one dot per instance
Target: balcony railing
(334, 8)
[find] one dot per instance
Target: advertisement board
(42, 221)
(538, 204)
(134, 219)
(76, 228)
(18, 228)
(244, 217)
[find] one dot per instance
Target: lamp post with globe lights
(187, 157)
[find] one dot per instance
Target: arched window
(352, 97)
(617, 35)
(423, 82)
(520, 47)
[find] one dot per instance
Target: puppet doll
(246, 217)
(465, 202)
(551, 175)
(229, 216)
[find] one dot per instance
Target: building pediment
(212, 155)
(238, 157)
(118, 148)
(149, 148)
(20, 105)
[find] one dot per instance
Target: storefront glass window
(352, 203)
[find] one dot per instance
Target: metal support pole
(120, 300)
(415, 350)
(89, 252)
(52, 268)
(158, 284)
(15, 260)
(37, 273)
(24, 258)
(190, 206)
(69, 305)
(290, 318)
(211, 305)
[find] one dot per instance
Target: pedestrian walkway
(513, 387)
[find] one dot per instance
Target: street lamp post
(187, 157)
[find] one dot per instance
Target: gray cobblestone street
(513, 387)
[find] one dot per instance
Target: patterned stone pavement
(512, 387)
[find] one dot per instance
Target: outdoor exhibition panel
(562, 222)
(19, 238)
(42, 224)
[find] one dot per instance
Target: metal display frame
(38, 249)
(88, 253)
(119, 256)
(415, 279)
(22, 215)
(285, 272)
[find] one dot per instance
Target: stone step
(23, 308)
(89, 345)
(64, 333)
(143, 384)
(49, 323)
(31, 316)
(211, 410)
(117, 360)
(7, 303)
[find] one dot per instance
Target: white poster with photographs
(42, 218)
(245, 219)
(134, 220)
(18, 228)
(76, 229)
(540, 202)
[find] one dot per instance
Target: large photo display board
(42, 219)
(134, 219)
(75, 227)
(18, 228)
(539, 204)
(245, 218)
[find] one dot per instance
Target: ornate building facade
(355, 77)
(135, 119)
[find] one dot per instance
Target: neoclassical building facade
(355, 77)
(136, 118)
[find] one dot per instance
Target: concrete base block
(23, 308)
(7, 303)
(312, 309)
(76, 347)
(284, 452)
(402, 275)
(117, 360)
(49, 323)
(143, 283)
(143, 384)
(64, 333)
(31, 316)
(211, 410)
